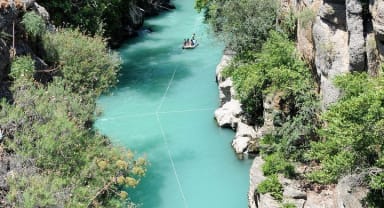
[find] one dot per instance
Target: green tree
(103, 17)
(243, 25)
(69, 164)
(354, 130)
(84, 62)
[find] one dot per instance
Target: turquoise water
(163, 108)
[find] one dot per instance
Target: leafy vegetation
(84, 62)
(353, 132)
(271, 185)
(275, 164)
(346, 138)
(34, 24)
(22, 68)
(62, 161)
(278, 70)
(92, 16)
(243, 25)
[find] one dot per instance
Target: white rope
(165, 139)
(166, 91)
(172, 162)
(187, 110)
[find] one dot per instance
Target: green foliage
(243, 25)
(64, 162)
(85, 63)
(94, 16)
(22, 68)
(277, 70)
(201, 4)
(79, 165)
(271, 185)
(34, 24)
(289, 205)
(288, 22)
(354, 129)
(377, 182)
(38, 190)
(275, 163)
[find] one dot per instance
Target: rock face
(346, 39)
(348, 193)
(331, 45)
(344, 36)
(356, 40)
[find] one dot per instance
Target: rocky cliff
(343, 36)
(347, 36)
(334, 37)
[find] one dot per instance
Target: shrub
(278, 69)
(22, 68)
(76, 166)
(276, 163)
(243, 25)
(34, 24)
(354, 129)
(85, 63)
(271, 185)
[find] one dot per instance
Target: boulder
(42, 12)
(373, 57)
(240, 144)
(225, 60)
(228, 115)
(245, 130)
(267, 201)
(320, 200)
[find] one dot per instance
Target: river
(163, 108)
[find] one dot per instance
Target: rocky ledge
(230, 114)
(349, 192)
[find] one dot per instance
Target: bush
(271, 185)
(84, 62)
(276, 163)
(278, 69)
(289, 205)
(354, 129)
(76, 166)
(243, 25)
(34, 24)
(22, 68)
(102, 17)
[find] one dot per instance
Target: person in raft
(193, 41)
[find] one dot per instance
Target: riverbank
(231, 115)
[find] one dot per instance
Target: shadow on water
(150, 67)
